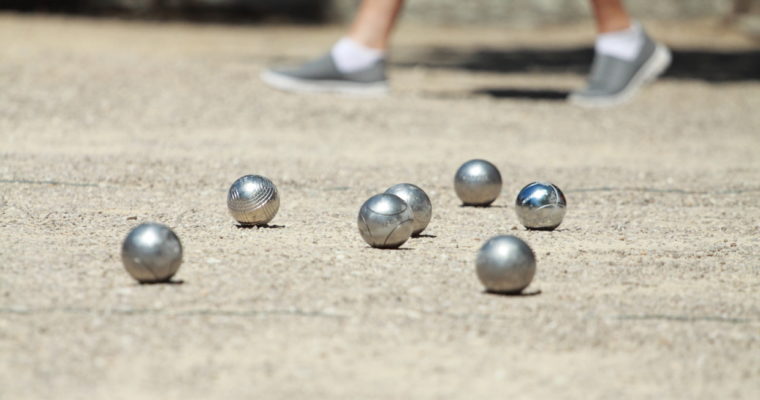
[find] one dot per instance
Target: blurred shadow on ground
(530, 94)
(209, 11)
(714, 66)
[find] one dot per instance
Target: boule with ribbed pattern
(253, 200)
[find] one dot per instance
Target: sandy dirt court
(649, 289)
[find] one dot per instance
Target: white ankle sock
(351, 56)
(625, 44)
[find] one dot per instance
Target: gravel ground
(648, 289)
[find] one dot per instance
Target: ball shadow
(267, 226)
(424, 236)
(488, 206)
(391, 249)
(544, 229)
(169, 282)
(522, 293)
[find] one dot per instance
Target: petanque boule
(541, 206)
(385, 221)
(151, 253)
(505, 264)
(477, 183)
(418, 200)
(253, 200)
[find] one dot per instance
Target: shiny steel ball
(540, 206)
(151, 253)
(505, 264)
(418, 200)
(385, 221)
(477, 183)
(253, 200)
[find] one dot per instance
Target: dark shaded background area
(708, 65)
(306, 11)
(713, 66)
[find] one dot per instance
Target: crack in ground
(654, 190)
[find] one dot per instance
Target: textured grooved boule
(418, 200)
(505, 264)
(385, 221)
(477, 183)
(151, 253)
(540, 206)
(253, 200)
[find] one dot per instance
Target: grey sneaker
(322, 76)
(614, 81)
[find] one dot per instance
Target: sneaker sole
(295, 85)
(649, 72)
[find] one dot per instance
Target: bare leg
(374, 22)
(610, 15)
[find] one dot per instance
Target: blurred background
(743, 13)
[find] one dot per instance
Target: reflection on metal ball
(505, 264)
(385, 221)
(477, 183)
(418, 200)
(540, 206)
(151, 253)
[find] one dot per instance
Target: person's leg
(355, 64)
(610, 16)
(374, 23)
(625, 57)
(617, 34)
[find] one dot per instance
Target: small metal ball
(505, 264)
(477, 183)
(540, 206)
(418, 200)
(151, 253)
(385, 221)
(253, 200)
